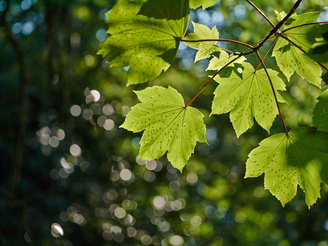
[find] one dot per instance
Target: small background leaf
(205, 49)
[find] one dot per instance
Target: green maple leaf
(205, 49)
(194, 4)
(168, 124)
(320, 113)
(248, 95)
(222, 59)
(289, 57)
(145, 43)
(301, 158)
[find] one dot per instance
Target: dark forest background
(70, 176)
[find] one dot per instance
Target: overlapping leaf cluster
(145, 36)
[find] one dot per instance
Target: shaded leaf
(320, 112)
(289, 57)
(207, 48)
(248, 95)
(168, 124)
(301, 158)
(319, 48)
(145, 44)
(167, 9)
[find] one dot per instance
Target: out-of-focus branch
(18, 157)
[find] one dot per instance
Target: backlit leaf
(168, 125)
(289, 57)
(222, 59)
(205, 49)
(248, 95)
(146, 44)
(194, 4)
(320, 113)
(301, 158)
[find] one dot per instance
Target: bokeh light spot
(28, 28)
(56, 230)
(159, 202)
(176, 240)
(107, 109)
(146, 240)
(75, 110)
(192, 178)
(109, 124)
(125, 174)
(101, 35)
(75, 150)
(196, 220)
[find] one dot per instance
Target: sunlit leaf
(320, 112)
(168, 124)
(148, 45)
(301, 158)
(288, 55)
(207, 48)
(248, 95)
(222, 59)
(194, 4)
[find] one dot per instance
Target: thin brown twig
(274, 30)
(218, 40)
(266, 53)
(274, 93)
(261, 13)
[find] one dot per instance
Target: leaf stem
(197, 94)
(218, 40)
(274, 93)
(261, 13)
(265, 55)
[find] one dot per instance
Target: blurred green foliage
(69, 174)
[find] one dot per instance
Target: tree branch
(23, 105)
(275, 30)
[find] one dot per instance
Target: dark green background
(49, 63)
